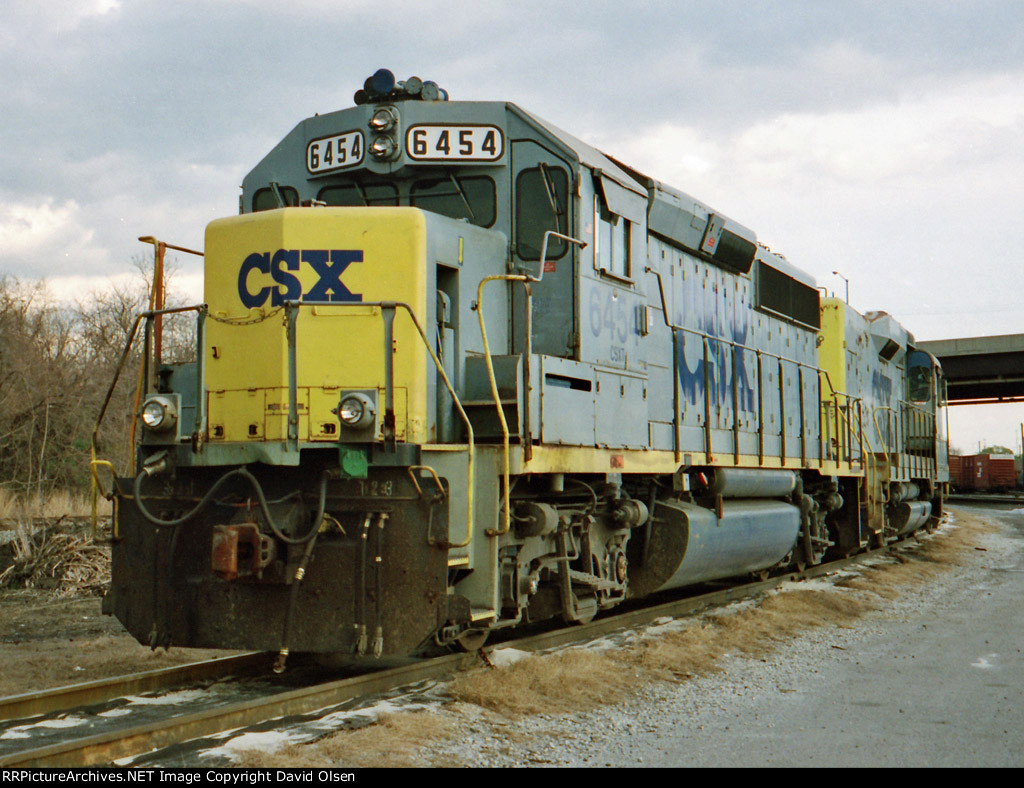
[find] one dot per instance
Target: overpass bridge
(981, 369)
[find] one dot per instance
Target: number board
(454, 143)
(335, 153)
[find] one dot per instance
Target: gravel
(828, 697)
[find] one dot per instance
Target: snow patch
(23, 731)
(265, 741)
(312, 729)
(503, 657)
(171, 698)
(121, 712)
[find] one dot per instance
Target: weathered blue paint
(722, 326)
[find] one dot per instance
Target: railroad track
(986, 498)
(120, 743)
(60, 699)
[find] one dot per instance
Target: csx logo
(881, 386)
(328, 264)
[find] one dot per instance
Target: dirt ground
(53, 633)
(50, 642)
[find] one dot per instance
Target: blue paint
(881, 386)
(329, 265)
(728, 324)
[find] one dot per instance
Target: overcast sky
(884, 140)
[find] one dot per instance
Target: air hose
(293, 597)
(206, 499)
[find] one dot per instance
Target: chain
(237, 321)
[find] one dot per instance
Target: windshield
(459, 197)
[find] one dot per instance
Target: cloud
(51, 231)
(950, 126)
(914, 197)
(81, 288)
(55, 16)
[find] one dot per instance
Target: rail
(31, 704)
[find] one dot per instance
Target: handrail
(201, 310)
(156, 302)
(294, 306)
(148, 316)
(712, 338)
(548, 235)
(506, 474)
(841, 410)
(706, 339)
(527, 281)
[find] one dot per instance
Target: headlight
(159, 414)
(383, 148)
(383, 120)
(356, 411)
(352, 411)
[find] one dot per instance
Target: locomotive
(458, 371)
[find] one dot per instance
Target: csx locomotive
(458, 371)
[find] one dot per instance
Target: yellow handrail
(96, 487)
(465, 419)
(494, 392)
(526, 280)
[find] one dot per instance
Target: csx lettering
(328, 264)
(881, 386)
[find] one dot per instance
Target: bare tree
(56, 366)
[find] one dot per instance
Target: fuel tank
(689, 544)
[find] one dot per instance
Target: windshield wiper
(550, 189)
(462, 194)
(275, 187)
(362, 193)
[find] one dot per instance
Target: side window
(266, 200)
(611, 241)
(542, 197)
(919, 377)
(355, 195)
(462, 197)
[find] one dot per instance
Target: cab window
(458, 197)
(541, 204)
(919, 377)
(359, 194)
(266, 200)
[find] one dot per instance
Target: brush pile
(66, 563)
